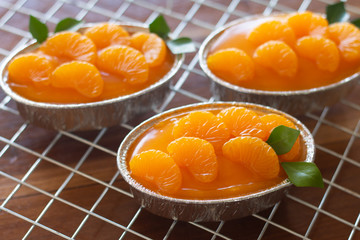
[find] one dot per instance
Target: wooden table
(65, 185)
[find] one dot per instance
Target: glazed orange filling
(286, 52)
(104, 62)
(211, 154)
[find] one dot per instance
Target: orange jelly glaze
(233, 179)
(308, 75)
(114, 86)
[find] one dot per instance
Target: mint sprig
(336, 13)
(282, 139)
(68, 24)
(301, 174)
(356, 22)
(160, 27)
(180, 45)
(40, 31)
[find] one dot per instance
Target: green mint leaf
(336, 12)
(160, 27)
(68, 24)
(303, 174)
(356, 22)
(38, 30)
(282, 139)
(181, 45)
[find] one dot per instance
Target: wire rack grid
(65, 185)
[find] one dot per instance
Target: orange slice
(124, 61)
(157, 169)
(70, 45)
(197, 155)
(106, 34)
(242, 122)
(347, 38)
(204, 125)
(322, 50)
(233, 62)
(254, 154)
(278, 56)
(270, 121)
(82, 76)
(308, 23)
(138, 39)
(30, 67)
(154, 50)
(272, 30)
(151, 45)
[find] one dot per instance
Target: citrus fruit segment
(124, 61)
(204, 125)
(138, 39)
(272, 30)
(242, 122)
(278, 56)
(71, 45)
(271, 121)
(82, 76)
(234, 62)
(254, 154)
(154, 50)
(308, 23)
(197, 155)
(347, 38)
(322, 50)
(30, 67)
(106, 34)
(157, 169)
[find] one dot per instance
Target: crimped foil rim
(137, 131)
(206, 44)
(179, 59)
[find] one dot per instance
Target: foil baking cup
(293, 102)
(94, 115)
(207, 210)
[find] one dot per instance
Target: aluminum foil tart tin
(94, 115)
(206, 210)
(293, 102)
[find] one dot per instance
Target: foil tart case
(94, 115)
(207, 210)
(293, 102)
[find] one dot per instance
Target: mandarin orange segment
(322, 50)
(158, 169)
(242, 122)
(30, 67)
(347, 38)
(204, 125)
(308, 23)
(125, 62)
(82, 76)
(234, 62)
(270, 121)
(138, 39)
(272, 30)
(70, 45)
(278, 56)
(197, 155)
(254, 154)
(154, 50)
(106, 34)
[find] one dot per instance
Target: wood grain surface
(60, 185)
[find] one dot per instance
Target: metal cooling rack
(62, 185)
